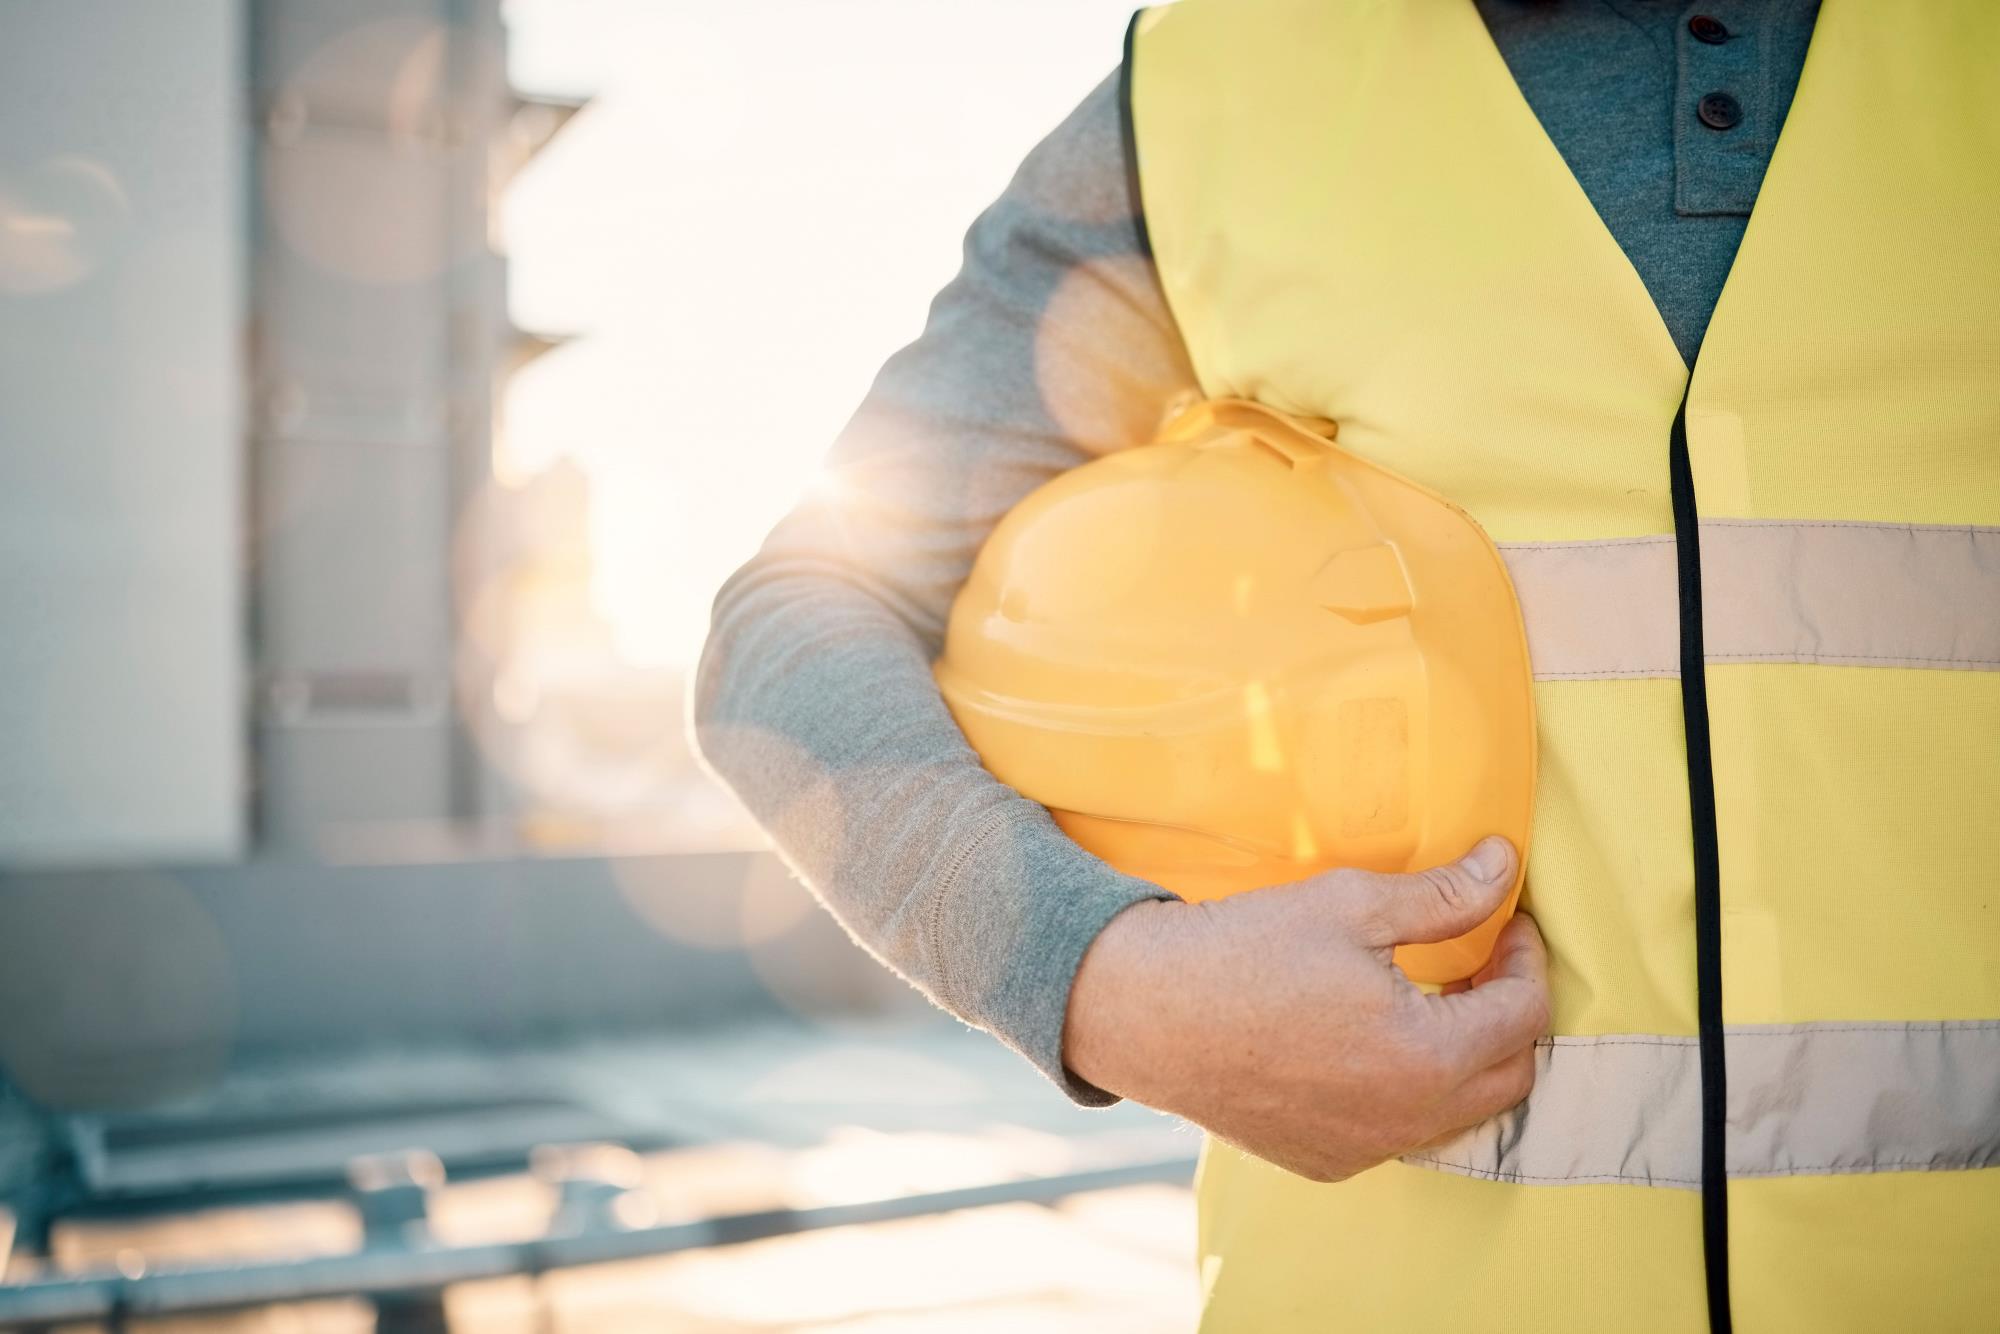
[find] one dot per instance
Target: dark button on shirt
(1719, 111)
(1708, 28)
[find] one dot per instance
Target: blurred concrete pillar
(379, 325)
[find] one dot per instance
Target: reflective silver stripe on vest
(1856, 594)
(1804, 1100)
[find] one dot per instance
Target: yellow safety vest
(1777, 1065)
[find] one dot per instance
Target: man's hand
(1276, 1020)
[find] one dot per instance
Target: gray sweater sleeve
(814, 699)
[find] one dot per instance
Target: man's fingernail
(1488, 861)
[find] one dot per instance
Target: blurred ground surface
(762, 1115)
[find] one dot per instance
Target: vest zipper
(1707, 880)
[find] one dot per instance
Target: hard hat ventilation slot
(1292, 453)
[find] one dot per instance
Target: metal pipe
(378, 1273)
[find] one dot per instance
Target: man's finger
(1490, 1092)
(1507, 1006)
(1445, 901)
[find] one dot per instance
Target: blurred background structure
(372, 436)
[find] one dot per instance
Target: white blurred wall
(121, 296)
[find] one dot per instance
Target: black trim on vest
(1130, 133)
(1707, 880)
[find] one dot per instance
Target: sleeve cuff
(1009, 970)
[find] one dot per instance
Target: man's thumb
(1445, 901)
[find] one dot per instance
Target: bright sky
(752, 215)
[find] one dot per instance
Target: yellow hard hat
(1242, 655)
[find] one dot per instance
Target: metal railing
(588, 1236)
